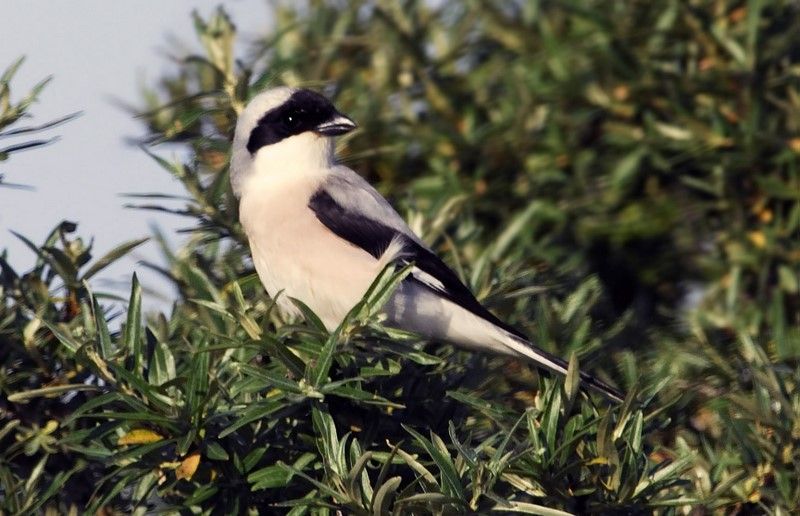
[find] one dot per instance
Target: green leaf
(197, 386)
(451, 482)
(355, 393)
(279, 351)
(338, 497)
(328, 441)
(104, 337)
(309, 315)
(322, 368)
(468, 455)
(253, 458)
(49, 392)
(253, 413)
(11, 70)
(551, 418)
(530, 508)
(57, 484)
(268, 478)
(112, 256)
(358, 472)
(162, 365)
(216, 452)
(272, 379)
(62, 266)
(132, 336)
(383, 496)
(62, 333)
(572, 383)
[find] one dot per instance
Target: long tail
(422, 309)
(553, 363)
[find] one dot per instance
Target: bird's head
(285, 129)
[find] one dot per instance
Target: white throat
(306, 152)
(306, 155)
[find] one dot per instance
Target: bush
(620, 181)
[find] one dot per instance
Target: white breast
(295, 255)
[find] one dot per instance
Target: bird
(320, 233)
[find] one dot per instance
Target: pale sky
(95, 50)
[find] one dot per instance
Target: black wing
(374, 237)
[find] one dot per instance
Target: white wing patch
(427, 279)
(393, 251)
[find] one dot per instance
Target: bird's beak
(336, 126)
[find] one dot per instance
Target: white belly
(296, 256)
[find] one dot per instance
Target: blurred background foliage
(619, 180)
(11, 114)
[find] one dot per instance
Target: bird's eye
(291, 121)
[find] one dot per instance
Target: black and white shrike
(320, 233)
